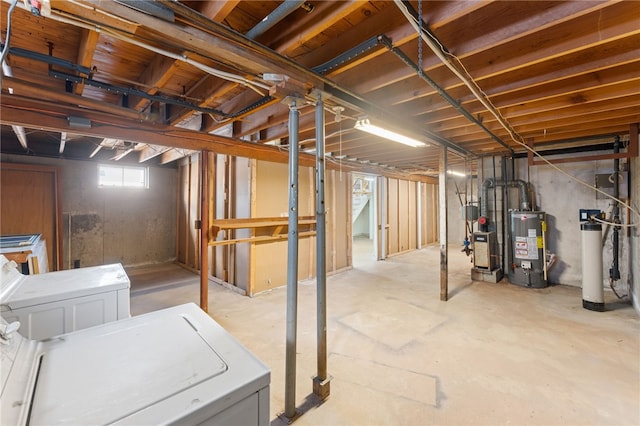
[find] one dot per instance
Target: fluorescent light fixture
(365, 125)
(454, 173)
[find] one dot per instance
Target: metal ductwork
(274, 17)
(525, 203)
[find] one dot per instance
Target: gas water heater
(528, 265)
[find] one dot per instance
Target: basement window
(122, 176)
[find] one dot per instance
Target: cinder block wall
(108, 225)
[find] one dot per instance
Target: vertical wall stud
(204, 230)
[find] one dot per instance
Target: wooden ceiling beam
(577, 117)
(151, 151)
(217, 10)
(566, 68)
(88, 44)
(153, 78)
(323, 17)
(523, 51)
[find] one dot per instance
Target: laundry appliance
(63, 301)
(173, 366)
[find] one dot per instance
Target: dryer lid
(61, 285)
(132, 364)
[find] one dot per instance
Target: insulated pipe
(292, 265)
(320, 382)
(274, 17)
(614, 272)
(491, 182)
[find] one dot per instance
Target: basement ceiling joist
(557, 72)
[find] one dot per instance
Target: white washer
(60, 302)
(174, 366)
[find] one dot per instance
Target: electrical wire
(445, 56)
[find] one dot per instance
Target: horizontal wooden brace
(260, 239)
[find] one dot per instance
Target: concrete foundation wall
(108, 225)
(561, 198)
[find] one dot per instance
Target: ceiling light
(454, 173)
(365, 125)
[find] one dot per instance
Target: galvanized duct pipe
(274, 17)
(525, 204)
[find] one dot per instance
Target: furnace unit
(486, 257)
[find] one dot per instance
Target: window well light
(365, 125)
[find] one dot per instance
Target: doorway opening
(363, 218)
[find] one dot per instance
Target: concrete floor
(493, 354)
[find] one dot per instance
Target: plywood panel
(342, 215)
(29, 205)
(193, 243)
(403, 215)
(412, 219)
(424, 212)
(242, 209)
(393, 216)
(329, 195)
(183, 211)
(272, 199)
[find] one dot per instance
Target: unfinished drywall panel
(412, 218)
(242, 209)
(339, 219)
(403, 216)
(106, 225)
(392, 192)
(272, 200)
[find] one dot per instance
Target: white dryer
(173, 366)
(60, 302)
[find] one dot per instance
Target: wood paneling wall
(30, 204)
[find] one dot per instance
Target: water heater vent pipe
(525, 203)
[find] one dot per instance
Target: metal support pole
(204, 230)
(321, 383)
(292, 265)
(442, 218)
